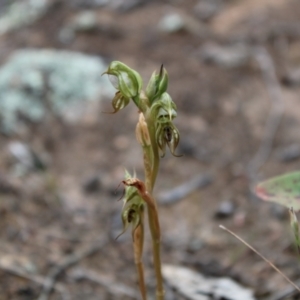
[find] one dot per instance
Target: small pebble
(187, 147)
(289, 153)
(231, 56)
(89, 3)
(26, 292)
(195, 245)
(26, 159)
(126, 5)
(172, 22)
(91, 184)
(292, 78)
(225, 210)
(22, 153)
(206, 9)
(85, 21)
(181, 191)
(279, 212)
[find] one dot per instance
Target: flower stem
(155, 234)
(148, 163)
(151, 163)
(155, 154)
(138, 242)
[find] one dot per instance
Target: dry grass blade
(263, 257)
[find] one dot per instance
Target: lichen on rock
(65, 78)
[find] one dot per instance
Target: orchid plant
(154, 131)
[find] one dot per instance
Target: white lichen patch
(21, 13)
(33, 80)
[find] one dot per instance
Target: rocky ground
(234, 69)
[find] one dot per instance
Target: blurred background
(234, 73)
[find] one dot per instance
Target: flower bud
(133, 207)
(141, 131)
(167, 134)
(164, 109)
(158, 84)
(124, 79)
(119, 102)
(130, 192)
(130, 215)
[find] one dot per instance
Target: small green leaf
(284, 189)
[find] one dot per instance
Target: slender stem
(155, 153)
(151, 166)
(155, 233)
(148, 163)
(138, 242)
(153, 220)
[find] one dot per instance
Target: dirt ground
(223, 104)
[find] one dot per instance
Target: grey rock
(231, 56)
(225, 210)
(289, 153)
(206, 9)
(292, 78)
(186, 188)
(195, 286)
(175, 22)
(195, 245)
(85, 21)
(279, 212)
(66, 35)
(22, 154)
(26, 159)
(92, 184)
(89, 3)
(187, 147)
(126, 5)
(32, 80)
(172, 22)
(120, 5)
(22, 13)
(8, 185)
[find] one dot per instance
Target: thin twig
(69, 261)
(114, 288)
(263, 257)
(266, 65)
(37, 279)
